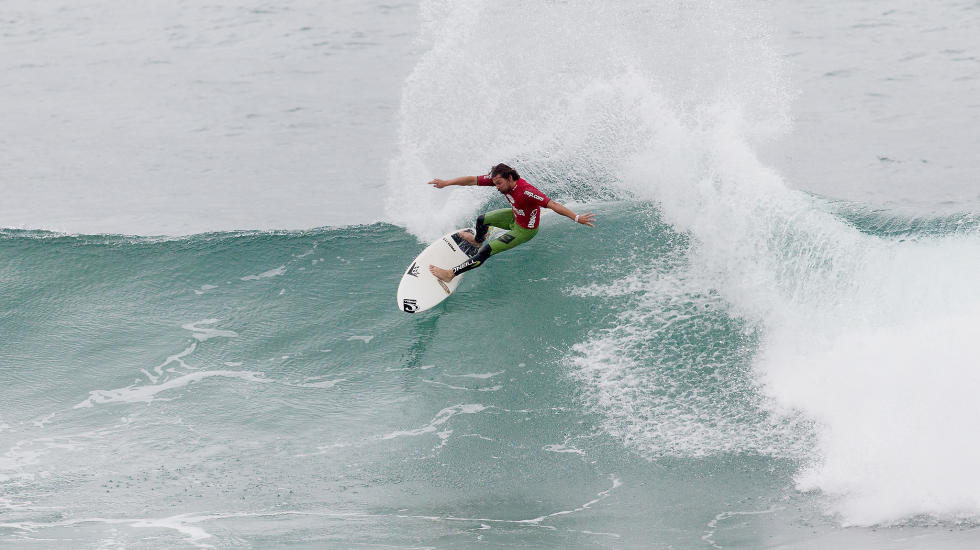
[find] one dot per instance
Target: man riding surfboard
(520, 220)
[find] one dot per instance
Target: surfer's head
(504, 177)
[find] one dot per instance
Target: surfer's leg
(480, 233)
(502, 218)
(516, 236)
(474, 261)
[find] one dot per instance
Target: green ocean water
(262, 389)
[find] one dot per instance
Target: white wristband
(576, 218)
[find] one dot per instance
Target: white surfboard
(419, 289)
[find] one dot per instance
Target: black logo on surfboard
(410, 305)
(414, 270)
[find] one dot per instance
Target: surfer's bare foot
(444, 275)
(469, 237)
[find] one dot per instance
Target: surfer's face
(502, 184)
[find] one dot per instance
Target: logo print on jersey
(510, 198)
(414, 270)
(410, 305)
(533, 196)
(534, 217)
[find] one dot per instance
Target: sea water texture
(767, 341)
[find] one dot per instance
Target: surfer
(520, 220)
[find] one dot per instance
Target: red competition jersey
(525, 200)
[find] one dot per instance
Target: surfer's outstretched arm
(584, 219)
(462, 180)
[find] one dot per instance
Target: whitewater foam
(858, 331)
(672, 110)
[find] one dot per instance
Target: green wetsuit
(515, 235)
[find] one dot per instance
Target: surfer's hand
(587, 219)
(438, 183)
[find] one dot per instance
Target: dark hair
(505, 171)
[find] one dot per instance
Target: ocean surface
(769, 340)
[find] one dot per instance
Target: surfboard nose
(420, 290)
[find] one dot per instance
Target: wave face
(783, 325)
(264, 383)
